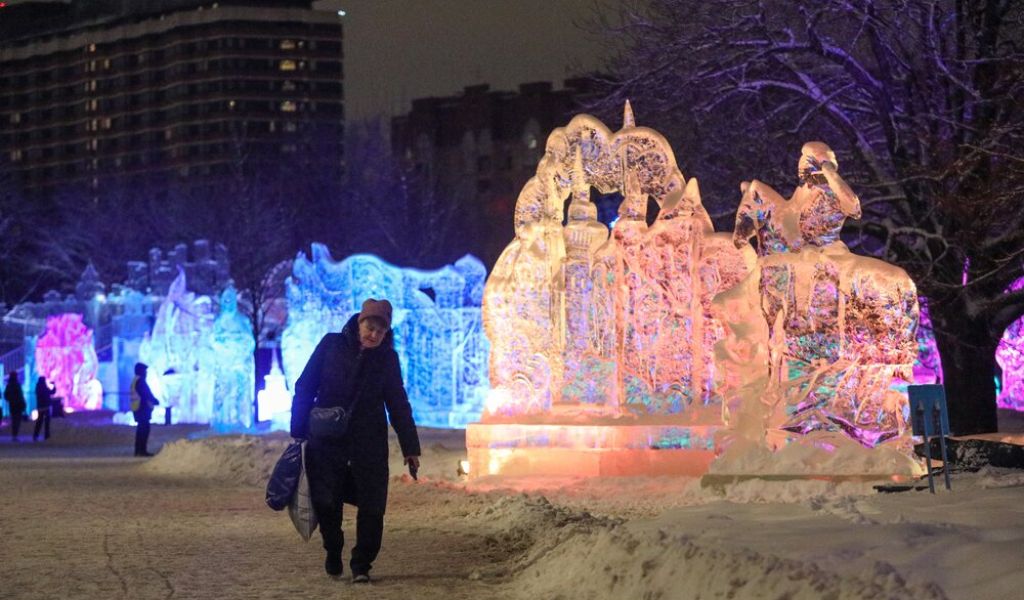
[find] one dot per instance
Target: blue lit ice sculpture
(172, 351)
(229, 356)
(437, 325)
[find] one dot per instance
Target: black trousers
(15, 424)
(332, 481)
(141, 436)
(42, 422)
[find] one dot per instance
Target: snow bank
(560, 553)
(827, 454)
(249, 459)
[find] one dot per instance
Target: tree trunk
(968, 369)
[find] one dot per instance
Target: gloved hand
(414, 465)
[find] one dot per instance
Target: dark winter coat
(147, 401)
(44, 395)
(15, 397)
(340, 373)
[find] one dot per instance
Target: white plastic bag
(300, 509)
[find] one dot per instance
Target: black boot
(333, 564)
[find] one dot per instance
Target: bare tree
(390, 210)
(921, 101)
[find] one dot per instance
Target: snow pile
(249, 459)
(561, 553)
(243, 459)
(828, 454)
(626, 562)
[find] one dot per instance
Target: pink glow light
(65, 356)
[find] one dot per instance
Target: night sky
(400, 50)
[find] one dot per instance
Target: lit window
(287, 65)
(287, 44)
(231, 105)
(106, 63)
(168, 134)
(15, 117)
(92, 47)
(290, 127)
(16, 155)
(288, 106)
(272, 126)
(106, 123)
(288, 86)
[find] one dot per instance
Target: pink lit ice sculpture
(654, 348)
(602, 342)
(65, 356)
(1010, 356)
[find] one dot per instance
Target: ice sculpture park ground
(81, 519)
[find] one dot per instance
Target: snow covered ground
(80, 518)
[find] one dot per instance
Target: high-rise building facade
(167, 93)
(479, 148)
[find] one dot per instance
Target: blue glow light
(437, 325)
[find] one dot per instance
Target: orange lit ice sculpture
(66, 357)
(836, 328)
(650, 349)
(601, 345)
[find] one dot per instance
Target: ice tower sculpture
(65, 356)
(817, 337)
(601, 359)
(437, 326)
(172, 350)
(228, 355)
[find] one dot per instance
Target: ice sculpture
(654, 347)
(835, 328)
(172, 350)
(274, 401)
(228, 355)
(1010, 356)
(437, 326)
(65, 356)
(601, 359)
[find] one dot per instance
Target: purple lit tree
(921, 99)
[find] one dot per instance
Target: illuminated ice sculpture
(602, 345)
(1010, 356)
(652, 348)
(816, 336)
(172, 350)
(65, 356)
(437, 326)
(228, 356)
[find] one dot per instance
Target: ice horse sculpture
(602, 345)
(65, 356)
(437, 326)
(816, 336)
(173, 351)
(653, 348)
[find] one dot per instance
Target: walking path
(100, 526)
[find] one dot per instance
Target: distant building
(479, 148)
(166, 93)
